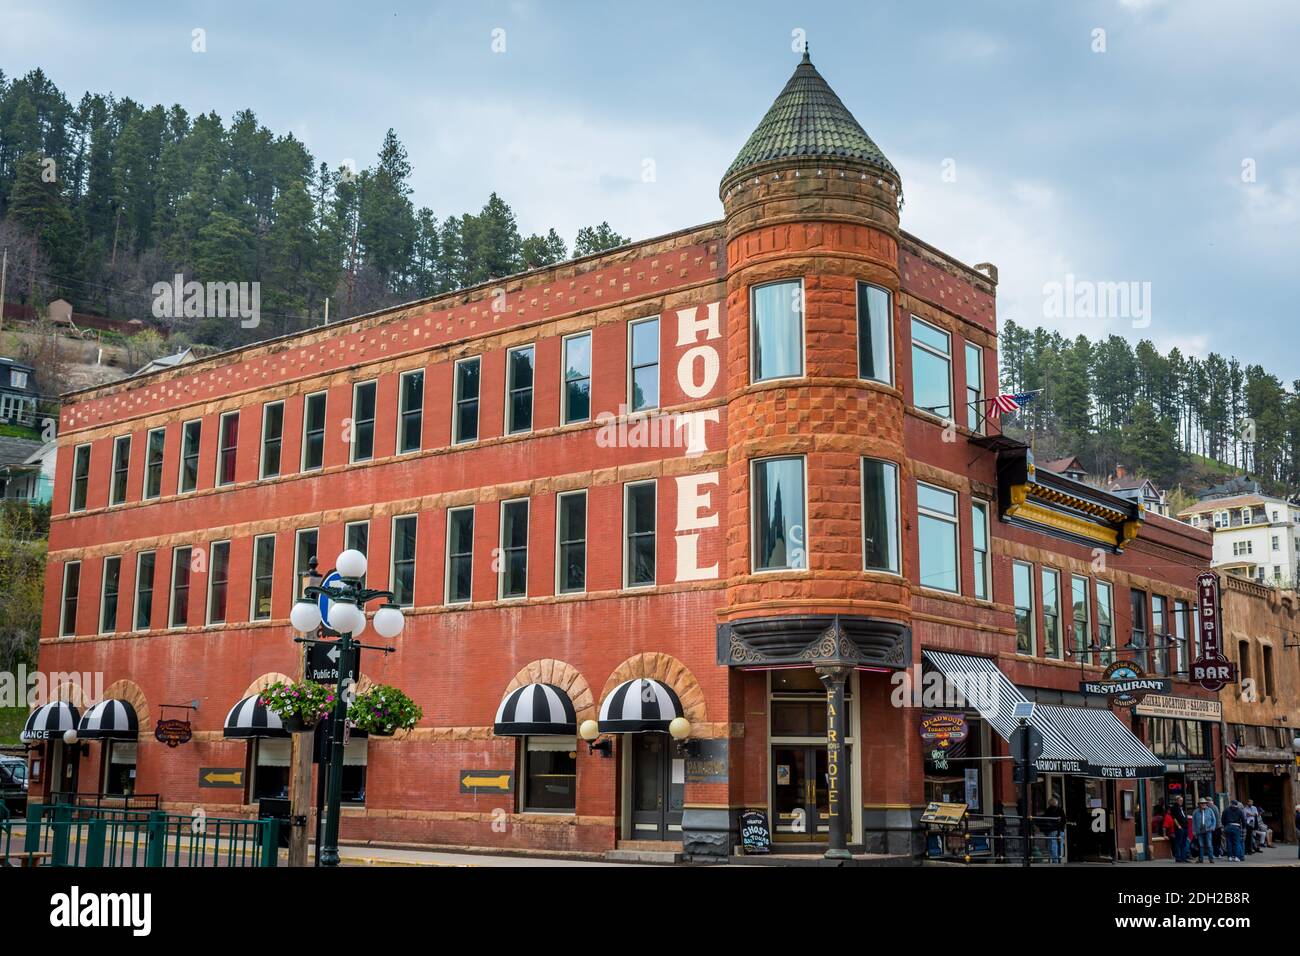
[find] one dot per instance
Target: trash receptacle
(277, 808)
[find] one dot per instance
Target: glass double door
(800, 793)
(658, 787)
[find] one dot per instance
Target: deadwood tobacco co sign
(1125, 683)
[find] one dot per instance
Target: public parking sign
(323, 663)
(1211, 669)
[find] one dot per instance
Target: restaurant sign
(941, 731)
(1211, 669)
(1125, 683)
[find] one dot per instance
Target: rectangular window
(191, 434)
(514, 549)
(931, 369)
(937, 537)
(460, 555)
(1022, 587)
(974, 387)
(303, 551)
(779, 538)
(880, 515)
(1182, 618)
(218, 581)
(979, 511)
(1138, 608)
(110, 587)
(179, 612)
(1081, 610)
(643, 364)
(1267, 666)
(121, 468)
(1105, 625)
(228, 447)
(71, 593)
(403, 557)
(356, 536)
(577, 379)
(571, 542)
(145, 562)
(875, 334)
(313, 431)
(272, 438)
(1159, 634)
(519, 390)
(80, 477)
(119, 767)
(363, 421)
(550, 772)
(639, 517)
(1051, 613)
(263, 576)
(776, 331)
(464, 426)
(153, 462)
(410, 414)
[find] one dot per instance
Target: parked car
(13, 783)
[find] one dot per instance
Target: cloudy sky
(1136, 141)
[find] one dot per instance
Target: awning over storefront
(536, 710)
(50, 721)
(251, 718)
(1076, 740)
(639, 705)
(109, 720)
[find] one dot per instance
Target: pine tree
(592, 239)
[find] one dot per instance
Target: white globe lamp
(351, 564)
(389, 621)
(305, 616)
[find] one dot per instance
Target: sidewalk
(1284, 854)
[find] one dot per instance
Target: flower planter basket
(297, 725)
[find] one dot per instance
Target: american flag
(1230, 746)
(1010, 402)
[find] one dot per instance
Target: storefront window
(119, 767)
(355, 758)
(550, 774)
(955, 774)
(270, 768)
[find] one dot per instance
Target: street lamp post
(346, 616)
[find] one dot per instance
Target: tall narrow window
(937, 537)
(465, 424)
(980, 544)
(1022, 587)
(121, 468)
(639, 525)
(179, 613)
(460, 555)
(875, 334)
(1138, 608)
(1081, 611)
(1267, 667)
(363, 421)
(228, 448)
(931, 369)
(80, 477)
(1105, 625)
(1182, 618)
(71, 595)
(263, 577)
(403, 570)
(153, 462)
(145, 563)
(519, 390)
(356, 536)
(571, 542)
(191, 435)
(880, 515)
(514, 548)
(643, 364)
(304, 550)
(410, 413)
(577, 379)
(313, 431)
(218, 581)
(776, 331)
(110, 587)
(1159, 634)
(974, 387)
(1051, 613)
(272, 438)
(780, 538)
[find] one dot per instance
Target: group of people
(1205, 833)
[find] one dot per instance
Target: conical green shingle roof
(808, 120)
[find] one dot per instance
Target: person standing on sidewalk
(1179, 813)
(1052, 823)
(1253, 820)
(1234, 832)
(1204, 822)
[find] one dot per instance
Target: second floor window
(1182, 631)
(776, 331)
(465, 413)
(363, 421)
(218, 581)
(403, 570)
(109, 591)
(410, 413)
(577, 379)
(1105, 626)
(974, 387)
(643, 364)
(121, 468)
(153, 462)
(71, 596)
(780, 538)
(356, 536)
(639, 522)
(880, 515)
(304, 550)
(144, 574)
(931, 369)
(179, 614)
(980, 545)
(519, 390)
(1081, 610)
(875, 334)
(191, 435)
(1138, 607)
(228, 448)
(313, 431)
(571, 541)
(460, 555)
(263, 577)
(937, 537)
(1022, 587)
(272, 438)
(80, 477)
(1051, 613)
(514, 549)
(1159, 636)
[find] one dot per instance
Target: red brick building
(744, 466)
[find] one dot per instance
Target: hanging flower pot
(299, 706)
(382, 711)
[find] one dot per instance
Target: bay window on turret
(776, 331)
(780, 539)
(875, 334)
(879, 515)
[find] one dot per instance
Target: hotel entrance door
(658, 787)
(800, 801)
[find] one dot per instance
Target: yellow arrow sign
(501, 782)
(235, 776)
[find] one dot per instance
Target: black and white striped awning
(50, 721)
(251, 718)
(109, 720)
(639, 706)
(536, 709)
(1109, 748)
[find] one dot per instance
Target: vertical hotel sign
(1211, 669)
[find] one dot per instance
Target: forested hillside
(1160, 415)
(101, 199)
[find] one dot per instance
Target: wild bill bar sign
(1125, 683)
(1211, 669)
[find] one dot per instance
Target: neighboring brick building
(819, 526)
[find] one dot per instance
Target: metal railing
(995, 839)
(121, 837)
(112, 801)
